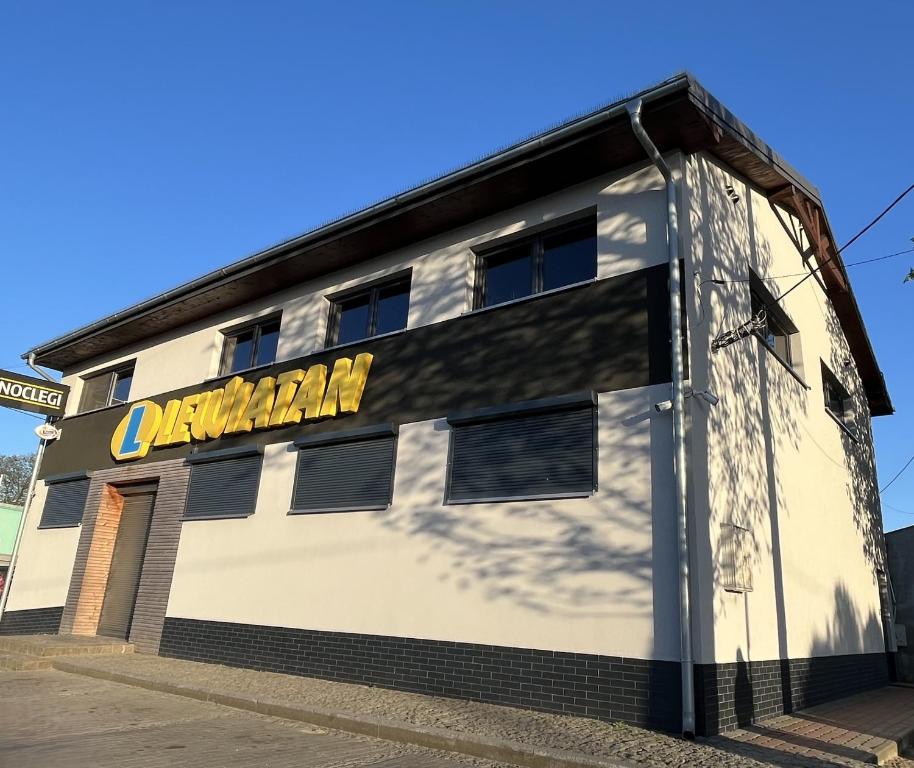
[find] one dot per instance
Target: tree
(16, 472)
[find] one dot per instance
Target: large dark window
(65, 502)
(551, 260)
(345, 471)
(369, 311)
(108, 388)
(838, 401)
(250, 346)
(543, 449)
(223, 483)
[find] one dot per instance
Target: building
(900, 550)
(430, 445)
(10, 515)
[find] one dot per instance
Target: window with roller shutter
(65, 501)
(223, 483)
(541, 449)
(345, 471)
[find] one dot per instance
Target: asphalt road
(50, 718)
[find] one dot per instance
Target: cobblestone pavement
(753, 748)
(50, 718)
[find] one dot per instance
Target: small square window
(838, 401)
(250, 346)
(545, 262)
(777, 331)
(109, 388)
(369, 311)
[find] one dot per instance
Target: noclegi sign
(27, 393)
(292, 397)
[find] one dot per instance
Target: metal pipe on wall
(679, 447)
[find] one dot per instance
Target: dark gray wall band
(604, 336)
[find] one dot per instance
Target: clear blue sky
(159, 140)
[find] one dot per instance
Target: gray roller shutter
(350, 471)
(65, 503)
(223, 484)
(543, 454)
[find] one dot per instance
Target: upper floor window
(111, 387)
(250, 345)
(369, 311)
(838, 401)
(777, 331)
(547, 261)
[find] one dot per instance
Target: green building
(9, 525)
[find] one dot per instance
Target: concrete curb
(474, 745)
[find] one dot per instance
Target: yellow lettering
(181, 432)
(197, 428)
(287, 384)
(242, 398)
(166, 428)
(219, 407)
(309, 397)
(257, 413)
(344, 392)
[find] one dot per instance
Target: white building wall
(590, 575)
(45, 563)
(769, 455)
(631, 235)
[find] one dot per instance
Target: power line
(900, 471)
(896, 509)
(729, 337)
(722, 281)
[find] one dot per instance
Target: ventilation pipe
(678, 402)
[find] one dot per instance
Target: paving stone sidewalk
(790, 741)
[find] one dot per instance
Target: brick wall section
(732, 695)
(93, 560)
(33, 621)
(96, 545)
(603, 687)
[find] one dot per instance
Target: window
(561, 257)
(369, 311)
(250, 346)
(838, 401)
(777, 333)
(735, 549)
(108, 388)
(65, 502)
(223, 483)
(345, 471)
(542, 449)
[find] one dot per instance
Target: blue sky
(144, 143)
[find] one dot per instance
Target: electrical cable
(900, 472)
(896, 509)
(722, 281)
(741, 331)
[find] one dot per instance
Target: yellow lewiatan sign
(241, 406)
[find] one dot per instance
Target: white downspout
(679, 446)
